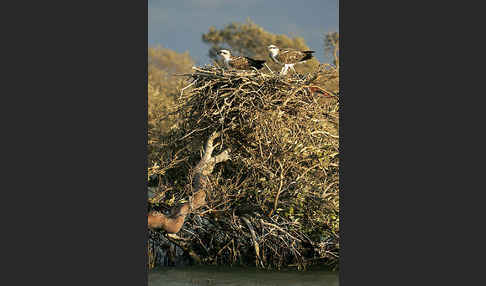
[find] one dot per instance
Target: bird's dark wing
(258, 64)
(245, 63)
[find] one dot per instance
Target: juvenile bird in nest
(288, 57)
(240, 62)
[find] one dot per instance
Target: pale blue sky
(179, 24)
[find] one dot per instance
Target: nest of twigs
(276, 202)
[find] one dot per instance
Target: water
(238, 276)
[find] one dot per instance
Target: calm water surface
(238, 276)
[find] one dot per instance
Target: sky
(179, 24)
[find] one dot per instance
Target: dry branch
(172, 223)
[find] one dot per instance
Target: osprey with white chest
(288, 57)
(240, 63)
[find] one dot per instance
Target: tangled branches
(276, 202)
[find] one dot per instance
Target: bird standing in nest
(288, 57)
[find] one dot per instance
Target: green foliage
(249, 39)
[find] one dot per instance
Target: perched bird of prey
(241, 63)
(288, 57)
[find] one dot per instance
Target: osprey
(241, 63)
(288, 57)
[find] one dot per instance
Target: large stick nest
(276, 201)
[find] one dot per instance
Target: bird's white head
(225, 54)
(273, 50)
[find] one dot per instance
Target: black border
(79, 199)
(404, 189)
